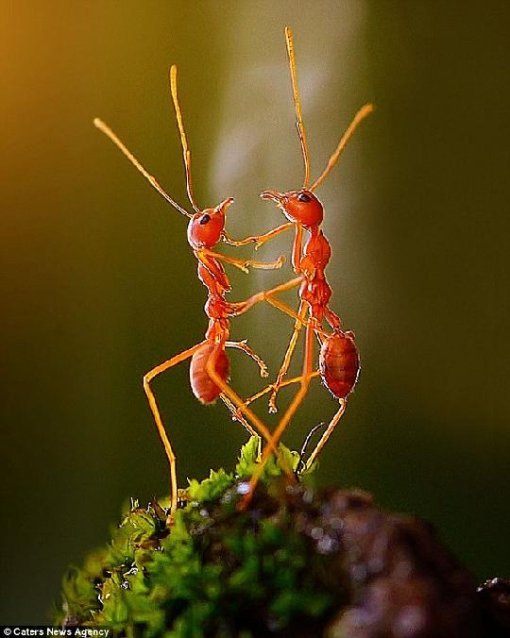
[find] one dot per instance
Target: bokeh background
(98, 284)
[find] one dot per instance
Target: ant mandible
(210, 366)
(338, 357)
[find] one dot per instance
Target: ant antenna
(185, 149)
(104, 128)
(297, 104)
(358, 118)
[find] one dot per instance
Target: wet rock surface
(494, 595)
(403, 583)
(389, 574)
(398, 579)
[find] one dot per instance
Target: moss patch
(297, 563)
(217, 571)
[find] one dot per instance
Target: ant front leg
(244, 264)
(258, 240)
(241, 307)
(147, 379)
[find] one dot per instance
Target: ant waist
(218, 330)
(315, 291)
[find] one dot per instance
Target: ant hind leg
(288, 357)
(286, 419)
(235, 399)
(237, 416)
(147, 379)
(329, 431)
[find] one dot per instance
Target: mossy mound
(299, 562)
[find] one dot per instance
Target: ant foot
(237, 416)
(273, 409)
(259, 241)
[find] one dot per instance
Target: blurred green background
(98, 284)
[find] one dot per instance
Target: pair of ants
(210, 367)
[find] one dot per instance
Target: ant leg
(283, 307)
(288, 356)
(243, 345)
(243, 264)
(284, 384)
(258, 240)
(291, 410)
(329, 431)
(230, 393)
(240, 307)
(236, 416)
(296, 248)
(266, 265)
(147, 379)
(270, 387)
(300, 395)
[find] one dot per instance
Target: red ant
(209, 367)
(338, 357)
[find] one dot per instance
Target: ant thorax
(316, 252)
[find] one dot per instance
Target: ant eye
(303, 197)
(205, 219)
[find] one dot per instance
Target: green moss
(297, 562)
(216, 572)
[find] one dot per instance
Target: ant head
(206, 227)
(298, 206)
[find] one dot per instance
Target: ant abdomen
(339, 364)
(203, 387)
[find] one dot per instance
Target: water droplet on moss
(317, 533)
(409, 622)
(336, 523)
(327, 545)
(308, 496)
(243, 488)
